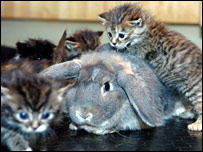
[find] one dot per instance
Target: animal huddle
(144, 76)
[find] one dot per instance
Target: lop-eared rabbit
(115, 92)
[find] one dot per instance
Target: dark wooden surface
(174, 136)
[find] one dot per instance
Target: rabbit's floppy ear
(138, 95)
(68, 69)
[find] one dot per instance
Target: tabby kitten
(81, 42)
(26, 64)
(176, 60)
(30, 108)
(73, 46)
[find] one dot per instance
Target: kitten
(176, 60)
(78, 43)
(35, 49)
(30, 108)
(67, 49)
(32, 59)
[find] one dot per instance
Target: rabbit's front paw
(97, 130)
(196, 126)
(73, 126)
(29, 149)
(102, 132)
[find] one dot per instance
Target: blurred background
(21, 20)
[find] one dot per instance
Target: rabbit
(115, 92)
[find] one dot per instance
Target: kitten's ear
(136, 22)
(59, 51)
(5, 94)
(4, 91)
(103, 17)
(71, 43)
(100, 33)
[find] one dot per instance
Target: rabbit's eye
(106, 86)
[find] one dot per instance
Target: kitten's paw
(43, 149)
(72, 126)
(196, 126)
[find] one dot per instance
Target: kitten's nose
(34, 128)
(35, 125)
(114, 43)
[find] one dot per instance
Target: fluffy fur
(35, 49)
(30, 108)
(176, 60)
(114, 92)
(82, 41)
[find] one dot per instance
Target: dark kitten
(31, 49)
(30, 63)
(30, 107)
(35, 49)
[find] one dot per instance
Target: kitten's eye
(24, 115)
(45, 115)
(121, 35)
(109, 34)
(137, 18)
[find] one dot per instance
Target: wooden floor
(174, 136)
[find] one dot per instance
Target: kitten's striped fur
(25, 94)
(26, 64)
(176, 60)
(68, 48)
(79, 42)
(82, 41)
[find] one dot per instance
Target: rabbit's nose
(84, 116)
